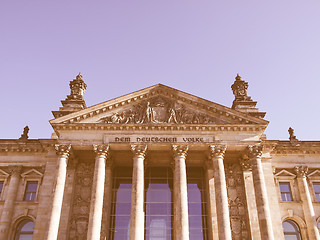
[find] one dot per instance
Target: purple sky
(195, 46)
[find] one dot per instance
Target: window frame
(26, 188)
(313, 177)
(295, 225)
(19, 226)
(284, 176)
(290, 191)
(3, 178)
(31, 175)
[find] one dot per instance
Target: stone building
(159, 164)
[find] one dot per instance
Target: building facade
(159, 164)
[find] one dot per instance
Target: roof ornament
(77, 87)
(79, 76)
(239, 88)
(292, 137)
(24, 135)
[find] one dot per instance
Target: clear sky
(197, 46)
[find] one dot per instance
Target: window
(1, 187)
(197, 204)
(121, 204)
(24, 230)
(285, 191)
(291, 230)
(316, 188)
(158, 204)
(31, 191)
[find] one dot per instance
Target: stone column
(250, 198)
(57, 198)
(265, 221)
(96, 204)
(308, 209)
(217, 156)
(137, 197)
(8, 207)
(180, 193)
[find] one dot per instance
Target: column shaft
(95, 217)
(308, 209)
(224, 228)
(180, 194)
(265, 221)
(8, 207)
(55, 211)
(137, 197)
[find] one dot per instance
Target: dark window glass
(291, 230)
(316, 188)
(24, 230)
(31, 191)
(197, 204)
(121, 204)
(285, 191)
(158, 204)
(1, 186)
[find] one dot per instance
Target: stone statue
(292, 137)
(24, 135)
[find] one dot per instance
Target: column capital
(254, 151)
(217, 150)
(180, 150)
(139, 150)
(301, 171)
(245, 164)
(101, 150)
(15, 170)
(63, 150)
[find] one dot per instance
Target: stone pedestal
(265, 221)
(217, 156)
(137, 197)
(95, 217)
(308, 209)
(55, 211)
(180, 193)
(7, 211)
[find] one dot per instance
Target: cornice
(28, 146)
(155, 127)
(299, 147)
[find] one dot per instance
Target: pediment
(314, 175)
(285, 174)
(4, 174)
(32, 173)
(159, 105)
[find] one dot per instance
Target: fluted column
(96, 205)
(180, 193)
(308, 209)
(137, 197)
(265, 222)
(63, 152)
(217, 156)
(8, 207)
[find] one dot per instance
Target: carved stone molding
(245, 164)
(217, 150)
(254, 151)
(180, 150)
(15, 170)
(301, 171)
(139, 150)
(63, 150)
(101, 150)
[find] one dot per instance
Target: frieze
(159, 110)
(158, 139)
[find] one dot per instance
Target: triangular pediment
(314, 175)
(32, 173)
(159, 105)
(4, 174)
(285, 174)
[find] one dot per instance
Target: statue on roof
(292, 137)
(24, 135)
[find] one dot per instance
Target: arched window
(291, 230)
(24, 230)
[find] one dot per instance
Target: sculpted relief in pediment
(159, 110)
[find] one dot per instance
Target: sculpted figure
(149, 113)
(172, 116)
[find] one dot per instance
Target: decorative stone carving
(180, 150)
(15, 170)
(77, 87)
(246, 164)
(239, 88)
(81, 201)
(301, 171)
(239, 218)
(159, 110)
(63, 150)
(24, 135)
(254, 151)
(101, 150)
(138, 149)
(292, 137)
(217, 150)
